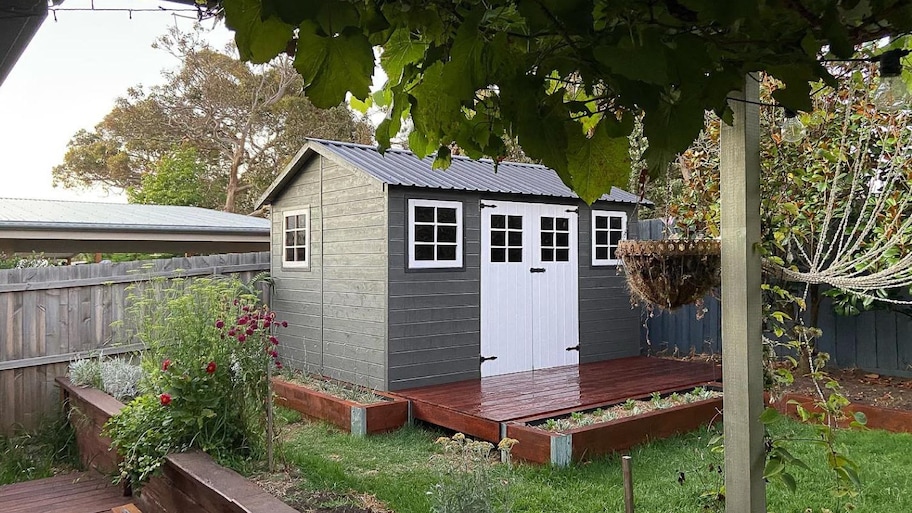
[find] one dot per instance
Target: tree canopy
(214, 134)
(564, 77)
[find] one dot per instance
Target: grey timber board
(427, 308)
(341, 321)
(609, 327)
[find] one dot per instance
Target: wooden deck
(82, 492)
(481, 407)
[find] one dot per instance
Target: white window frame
(609, 214)
(296, 264)
(434, 264)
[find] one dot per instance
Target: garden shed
(394, 275)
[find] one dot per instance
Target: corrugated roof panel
(400, 167)
(50, 214)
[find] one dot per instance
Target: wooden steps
(82, 492)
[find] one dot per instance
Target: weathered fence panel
(877, 341)
(52, 315)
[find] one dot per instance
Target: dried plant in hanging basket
(671, 273)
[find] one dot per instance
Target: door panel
(529, 286)
(506, 312)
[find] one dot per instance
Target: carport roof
(28, 225)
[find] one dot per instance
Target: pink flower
(250, 331)
(231, 333)
(219, 324)
(166, 364)
(165, 399)
(242, 337)
(266, 323)
(242, 320)
(211, 367)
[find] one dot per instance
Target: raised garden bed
(888, 419)
(538, 444)
(387, 414)
(190, 481)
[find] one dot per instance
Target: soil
(287, 486)
(865, 388)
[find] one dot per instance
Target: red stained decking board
(478, 406)
(83, 492)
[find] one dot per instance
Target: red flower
(266, 323)
(243, 320)
(165, 399)
(219, 324)
(166, 364)
(250, 331)
(242, 337)
(274, 354)
(278, 365)
(274, 340)
(231, 333)
(284, 324)
(211, 367)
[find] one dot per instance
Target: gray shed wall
(435, 315)
(336, 308)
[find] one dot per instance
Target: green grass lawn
(27, 456)
(399, 469)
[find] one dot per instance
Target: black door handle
(537, 270)
(574, 348)
(486, 358)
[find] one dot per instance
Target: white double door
(529, 286)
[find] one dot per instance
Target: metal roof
(38, 214)
(403, 168)
(82, 227)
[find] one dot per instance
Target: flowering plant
(210, 345)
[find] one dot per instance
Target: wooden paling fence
(52, 315)
(876, 341)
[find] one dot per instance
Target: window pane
(547, 223)
(498, 255)
(601, 237)
(446, 234)
(424, 252)
(612, 251)
(615, 238)
(446, 215)
(563, 224)
(289, 238)
(446, 252)
(302, 220)
(498, 221)
(290, 222)
(289, 255)
(424, 214)
(515, 222)
(616, 223)
(563, 240)
(547, 255)
(563, 255)
(547, 239)
(515, 254)
(601, 222)
(498, 238)
(601, 253)
(516, 239)
(301, 254)
(424, 233)
(301, 238)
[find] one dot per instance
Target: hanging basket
(671, 273)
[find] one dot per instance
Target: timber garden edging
(190, 481)
(888, 419)
(538, 445)
(355, 418)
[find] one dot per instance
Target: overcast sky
(68, 78)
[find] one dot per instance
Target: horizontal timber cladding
(609, 326)
(335, 306)
(434, 314)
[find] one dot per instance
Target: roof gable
(403, 168)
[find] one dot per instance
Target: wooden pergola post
(742, 351)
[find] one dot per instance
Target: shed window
(608, 229)
(435, 234)
(296, 238)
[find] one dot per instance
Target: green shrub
(210, 345)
